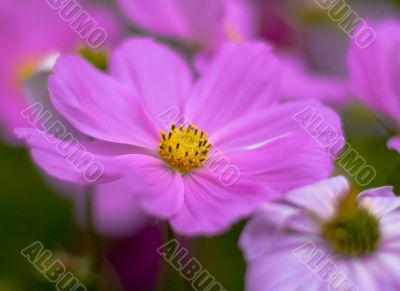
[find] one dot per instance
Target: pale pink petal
(320, 198)
(157, 74)
(379, 201)
(98, 105)
(362, 277)
(191, 20)
(280, 269)
(390, 231)
(242, 77)
(263, 229)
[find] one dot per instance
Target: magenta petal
(240, 78)
(157, 74)
(372, 70)
(98, 105)
(61, 160)
(260, 126)
(210, 207)
(190, 20)
(159, 189)
(394, 143)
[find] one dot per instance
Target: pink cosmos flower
(232, 145)
(373, 72)
(31, 30)
(325, 237)
(211, 23)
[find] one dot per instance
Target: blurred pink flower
(173, 173)
(210, 24)
(325, 235)
(32, 36)
(374, 71)
(196, 22)
(31, 30)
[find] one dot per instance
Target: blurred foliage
(30, 211)
(368, 137)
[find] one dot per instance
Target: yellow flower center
(26, 70)
(232, 33)
(353, 231)
(184, 148)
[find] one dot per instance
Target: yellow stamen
(184, 148)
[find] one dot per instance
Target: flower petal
(240, 78)
(158, 75)
(98, 105)
(394, 143)
(380, 201)
(280, 269)
(260, 126)
(210, 207)
(190, 20)
(372, 70)
(70, 160)
(320, 198)
(116, 209)
(298, 83)
(159, 189)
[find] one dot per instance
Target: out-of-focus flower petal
(191, 20)
(116, 211)
(394, 143)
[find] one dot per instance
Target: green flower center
(353, 231)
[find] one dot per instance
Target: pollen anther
(184, 148)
